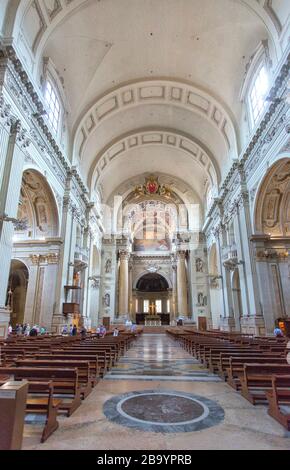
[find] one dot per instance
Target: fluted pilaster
(182, 284)
(124, 283)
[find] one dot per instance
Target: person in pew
(33, 332)
(27, 330)
(116, 332)
(278, 332)
(83, 332)
(64, 330)
(74, 330)
(9, 329)
(103, 331)
(133, 328)
(18, 329)
(98, 331)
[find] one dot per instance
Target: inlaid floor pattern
(158, 357)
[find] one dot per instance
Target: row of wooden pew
(61, 371)
(255, 366)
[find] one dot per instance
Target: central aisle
(158, 397)
(159, 357)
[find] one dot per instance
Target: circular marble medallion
(163, 411)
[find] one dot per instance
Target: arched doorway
(35, 243)
(17, 290)
(153, 297)
(237, 300)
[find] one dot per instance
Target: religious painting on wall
(152, 245)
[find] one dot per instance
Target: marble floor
(160, 398)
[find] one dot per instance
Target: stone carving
(271, 208)
(201, 299)
(50, 258)
(152, 186)
(106, 300)
(199, 265)
(108, 266)
(152, 267)
(95, 282)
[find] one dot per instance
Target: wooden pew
(220, 364)
(65, 382)
(278, 396)
(83, 367)
(257, 379)
(45, 404)
(236, 367)
(92, 359)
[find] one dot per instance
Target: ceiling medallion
(152, 187)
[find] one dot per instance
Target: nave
(155, 382)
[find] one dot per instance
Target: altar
(152, 320)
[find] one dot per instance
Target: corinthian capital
(124, 255)
(181, 254)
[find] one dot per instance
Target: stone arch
(17, 290)
(157, 91)
(144, 273)
(50, 19)
(272, 205)
(199, 154)
(37, 210)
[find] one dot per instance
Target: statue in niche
(200, 299)
(107, 300)
(108, 266)
(199, 265)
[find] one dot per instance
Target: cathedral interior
(145, 179)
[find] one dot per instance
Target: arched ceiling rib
(197, 154)
(115, 41)
(157, 92)
(174, 66)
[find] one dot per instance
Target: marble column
(182, 284)
(123, 283)
(9, 197)
(174, 290)
(66, 262)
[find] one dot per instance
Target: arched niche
(213, 261)
(96, 262)
(272, 212)
(17, 290)
(152, 282)
(37, 208)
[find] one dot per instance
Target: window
(158, 304)
(53, 106)
(258, 94)
(146, 306)
(168, 305)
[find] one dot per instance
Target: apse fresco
(152, 245)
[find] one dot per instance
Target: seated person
(278, 332)
(98, 331)
(103, 331)
(134, 328)
(116, 332)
